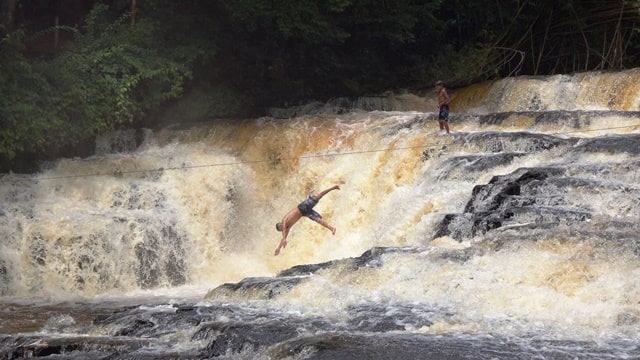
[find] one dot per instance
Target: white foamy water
(194, 207)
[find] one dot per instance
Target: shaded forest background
(72, 69)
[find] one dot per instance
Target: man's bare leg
(324, 192)
(326, 224)
(444, 125)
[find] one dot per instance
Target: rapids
(517, 236)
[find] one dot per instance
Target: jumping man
(305, 208)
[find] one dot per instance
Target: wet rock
(525, 197)
(137, 327)
(558, 118)
(256, 287)
(613, 144)
(306, 269)
(142, 322)
(496, 141)
(234, 338)
(370, 257)
(337, 346)
(5, 278)
(389, 346)
(372, 317)
(68, 347)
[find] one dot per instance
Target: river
(514, 237)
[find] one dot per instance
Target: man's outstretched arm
(283, 241)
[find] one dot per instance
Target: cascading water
(514, 237)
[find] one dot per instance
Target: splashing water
(523, 223)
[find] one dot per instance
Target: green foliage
(297, 50)
(235, 58)
(24, 119)
(305, 20)
(112, 74)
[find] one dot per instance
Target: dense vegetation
(125, 62)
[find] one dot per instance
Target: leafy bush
(112, 74)
(24, 117)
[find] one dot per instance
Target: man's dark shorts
(444, 113)
(306, 208)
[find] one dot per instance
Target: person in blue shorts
(443, 106)
(305, 208)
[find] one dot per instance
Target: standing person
(305, 208)
(443, 106)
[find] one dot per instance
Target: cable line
(120, 173)
(245, 162)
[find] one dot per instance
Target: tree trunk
(134, 8)
(56, 32)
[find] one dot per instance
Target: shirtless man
(305, 208)
(443, 106)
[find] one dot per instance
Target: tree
(546, 36)
(23, 111)
(291, 51)
(110, 75)
(7, 13)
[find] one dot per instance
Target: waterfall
(523, 222)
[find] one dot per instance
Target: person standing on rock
(443, 106)
(305, 208)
